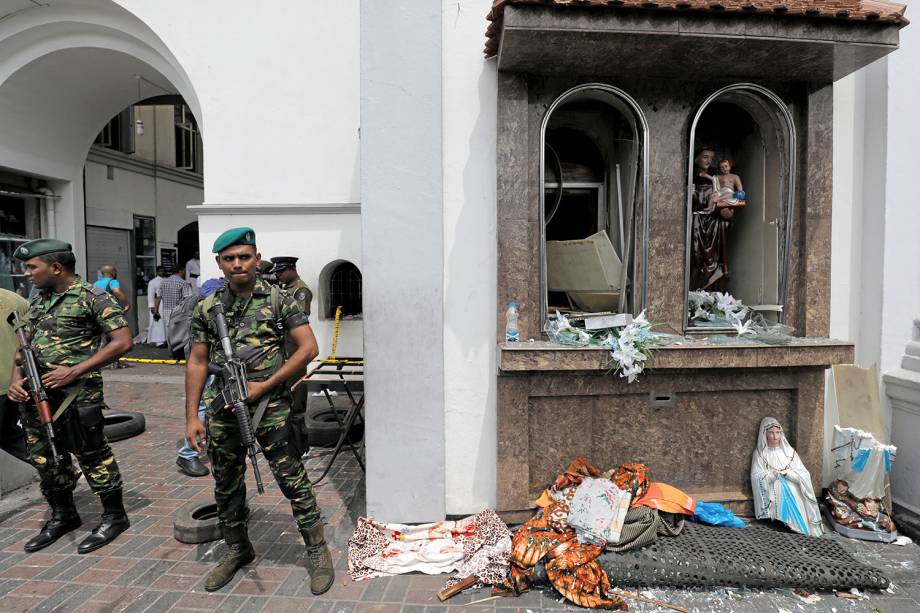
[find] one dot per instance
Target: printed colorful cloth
(632, 477)
(578, 469)
(487, 553)
(597, 511)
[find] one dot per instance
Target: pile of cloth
(585, 513)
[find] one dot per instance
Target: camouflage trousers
(228, 463)
(78, 431)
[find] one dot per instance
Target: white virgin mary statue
(781, 483)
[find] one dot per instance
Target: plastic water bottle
(511, 322)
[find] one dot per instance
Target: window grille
(345, 290)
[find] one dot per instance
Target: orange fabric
(544, 500)
(578, 469)
(667, 498)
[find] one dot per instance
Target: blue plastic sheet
(859, 462)
(714, 514)
(887, 457)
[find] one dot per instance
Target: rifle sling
(260, 411)
(69, 400)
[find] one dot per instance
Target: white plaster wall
(278, 84)
(402, 197)
(470, 259)
(316, 240)
(875, 285)
(901, 297)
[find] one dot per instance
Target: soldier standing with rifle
(258, 319)
(67, 320)
(285, 269)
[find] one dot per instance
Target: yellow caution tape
(150, 361)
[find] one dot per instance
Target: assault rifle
(36, 389)
(235, 390)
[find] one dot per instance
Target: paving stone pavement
(146, 570)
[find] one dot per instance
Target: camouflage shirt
(251, 325)
(301, 293)
(67, 329)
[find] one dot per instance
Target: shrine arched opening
(593, 202)
(740, 201)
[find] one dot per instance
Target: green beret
(233, 237)
(40, 246)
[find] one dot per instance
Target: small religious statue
(715, 199)
(781, 483)
(856, 513)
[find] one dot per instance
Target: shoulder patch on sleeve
(301, 294)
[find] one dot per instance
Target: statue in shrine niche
(781, 483)
(728, 193)
(716, 197)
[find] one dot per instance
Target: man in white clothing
(192, 272)
(156, 331)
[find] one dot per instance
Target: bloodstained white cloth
(377, 549)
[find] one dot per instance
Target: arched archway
(187, 243)
(752, 128)
(65, 70)
(594, 188)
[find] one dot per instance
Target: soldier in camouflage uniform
(67, 320)
(257, 329)
(285, 269)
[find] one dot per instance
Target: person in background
(108, 282)
(193, 271)
(172, 289)
(189, 462)
(285, 270)
(156, 331)
(12, 439)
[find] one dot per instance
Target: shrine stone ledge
(695, 354)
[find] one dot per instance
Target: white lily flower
(743, 328)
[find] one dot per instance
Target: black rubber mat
(755, 556)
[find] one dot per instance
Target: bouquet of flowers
(721, 307)
(630, 346)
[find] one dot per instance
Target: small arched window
(343, 289)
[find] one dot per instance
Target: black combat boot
(319, 560)
(114, 522)
(239, 553)
(64, 519)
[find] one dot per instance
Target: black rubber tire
(122, 425)
(323, 430)
(196, 522)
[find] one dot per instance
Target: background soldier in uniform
(259, 343)
(285, 270)
(67, 319)
(12, 439)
